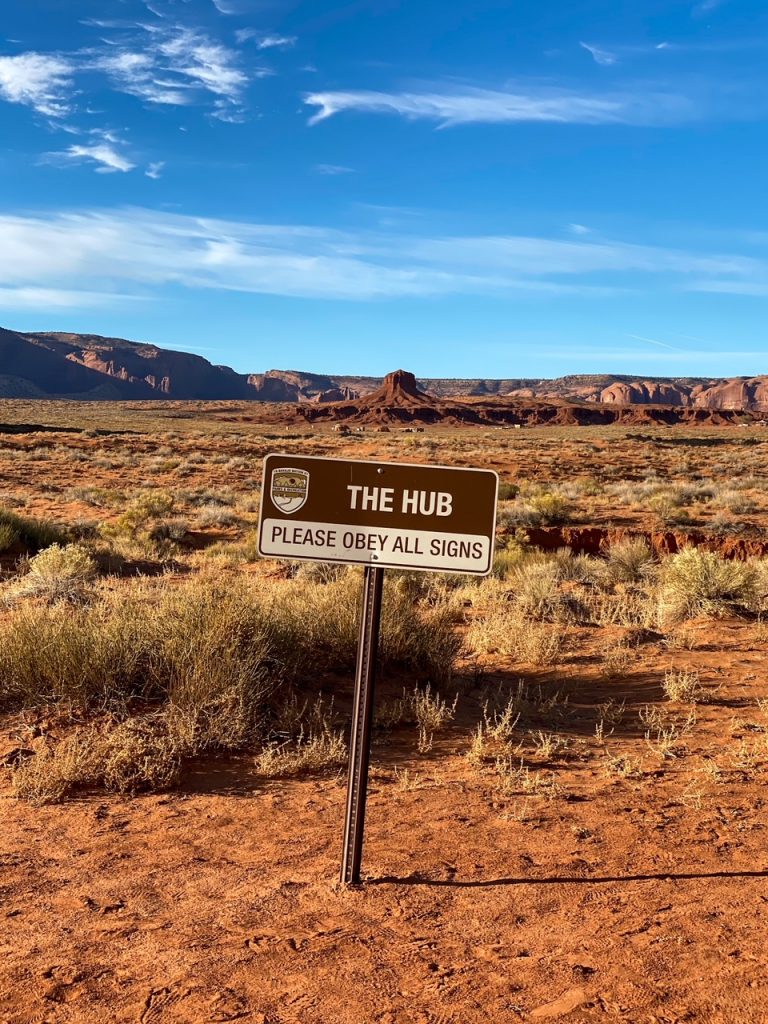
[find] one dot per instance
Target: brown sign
(388, 514)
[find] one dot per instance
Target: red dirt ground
(636, 900)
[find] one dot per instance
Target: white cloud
(155, 170)
(578, 229)
(176, 66)
(137, 75)
(655, 341)
(706, 7)
(599, 55)
(38, 80)
(333, 169)
(104, 155)
(485, 106)
(204, 62)
(755, 287)
(143, 250)
(265, 41)
(276, 42)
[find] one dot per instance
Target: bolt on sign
(387, 514)
(379, 515)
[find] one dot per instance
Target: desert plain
(566, 817)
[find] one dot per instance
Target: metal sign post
(379, 515)
(362, 718)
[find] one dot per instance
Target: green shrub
(669, 509)
(33, 533)
(8, 536)
(149, 506)
(508, 490)
(544, 508)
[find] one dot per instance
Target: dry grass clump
(502, 631)
(629, 561)
(504, 562)
(323, 619)
(737, 502)
(139, 754)
(216, 660)
(305, 740)
(83, 656)
(536, 586)
(135, 755)
(616, 659)
(696, 582)
(317, 752)
(628, 605)
(420, 707)
(216, 516)
(209, 656)
(669, 506)
(431, 714)
(203, 648)
(227, 554)
(497, 735)
(54, 772)
(502, 626)
(514, 778)
(318, 572)
(682, 686)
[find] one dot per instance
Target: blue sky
(471, 188)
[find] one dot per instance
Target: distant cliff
(63, 365)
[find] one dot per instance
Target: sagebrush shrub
(697, 582)
(58, 572)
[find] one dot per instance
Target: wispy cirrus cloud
(141, 251)
(103, 150)
(265, 41)
(706, 7)
(23, 298)
(618, 53)
(41, 81)
(532, 103)
(177, 66)
(276, 42)
(103, 154)
(333, 169)
(136, 74)
(600, 55)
